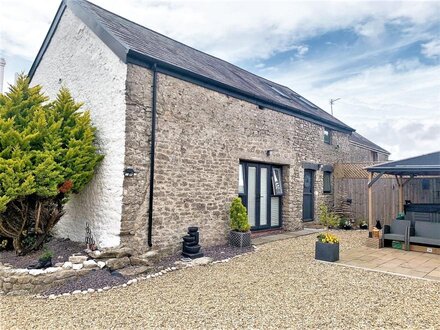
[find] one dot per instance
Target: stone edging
(179, 266)
(16, 281)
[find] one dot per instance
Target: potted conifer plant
(240, 234)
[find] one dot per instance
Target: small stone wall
(15, 281)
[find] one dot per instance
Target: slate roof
(428, 164)
(359, 139)
(137, 44)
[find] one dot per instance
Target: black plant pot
(363, 226)
(42, 263)
(326, 251)
(346, 227)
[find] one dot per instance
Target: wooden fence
(351, 180)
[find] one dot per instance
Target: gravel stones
(94, 279)
(61, 248)
(280, 286)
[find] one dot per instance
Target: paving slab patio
(399, 262)
(284, 235)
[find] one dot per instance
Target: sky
(380, 58)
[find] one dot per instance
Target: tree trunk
(29, 221)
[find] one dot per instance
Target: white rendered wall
(78, 59)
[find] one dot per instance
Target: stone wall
(137, 155)
(77, 59)
(201, 137)
(16, 281)
(361, 154)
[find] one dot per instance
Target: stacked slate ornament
(191, 247)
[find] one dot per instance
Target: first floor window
(327, 182)
(327, 136)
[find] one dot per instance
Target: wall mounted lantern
(130, 171)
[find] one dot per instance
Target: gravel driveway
(280, 286)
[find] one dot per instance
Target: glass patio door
(257, 194)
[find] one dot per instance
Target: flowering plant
(328, 238)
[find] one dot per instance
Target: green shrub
(328, 218)
(47, 152)
(46, 256)
(238, 216)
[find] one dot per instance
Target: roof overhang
(424, 165)
(360, 145)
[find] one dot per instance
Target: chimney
(2, 72)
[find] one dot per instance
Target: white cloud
(432, 49)
(372, 28)
(232, 30)
(301, 50)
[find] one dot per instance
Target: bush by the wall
(47, 152)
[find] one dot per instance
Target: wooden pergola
(404, 170)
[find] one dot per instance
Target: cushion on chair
(394, 237)
(399, 227)
(424, 240)
(427, 229)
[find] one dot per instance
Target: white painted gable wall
(95, 76)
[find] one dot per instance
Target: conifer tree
(47, 152)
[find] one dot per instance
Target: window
(240, 179)
(279, 92)
(277, 182)
(327, 182)
(307, 102)
(374, 155)
(327, 136)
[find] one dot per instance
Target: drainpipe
(152, 155)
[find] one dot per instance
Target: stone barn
(183, 133)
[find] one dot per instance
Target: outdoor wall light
(269, 152)
(130, 171)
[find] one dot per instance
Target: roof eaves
(361, 145)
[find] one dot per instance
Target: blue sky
(380, 58)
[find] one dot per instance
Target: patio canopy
(404, 170)
(426, 165)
